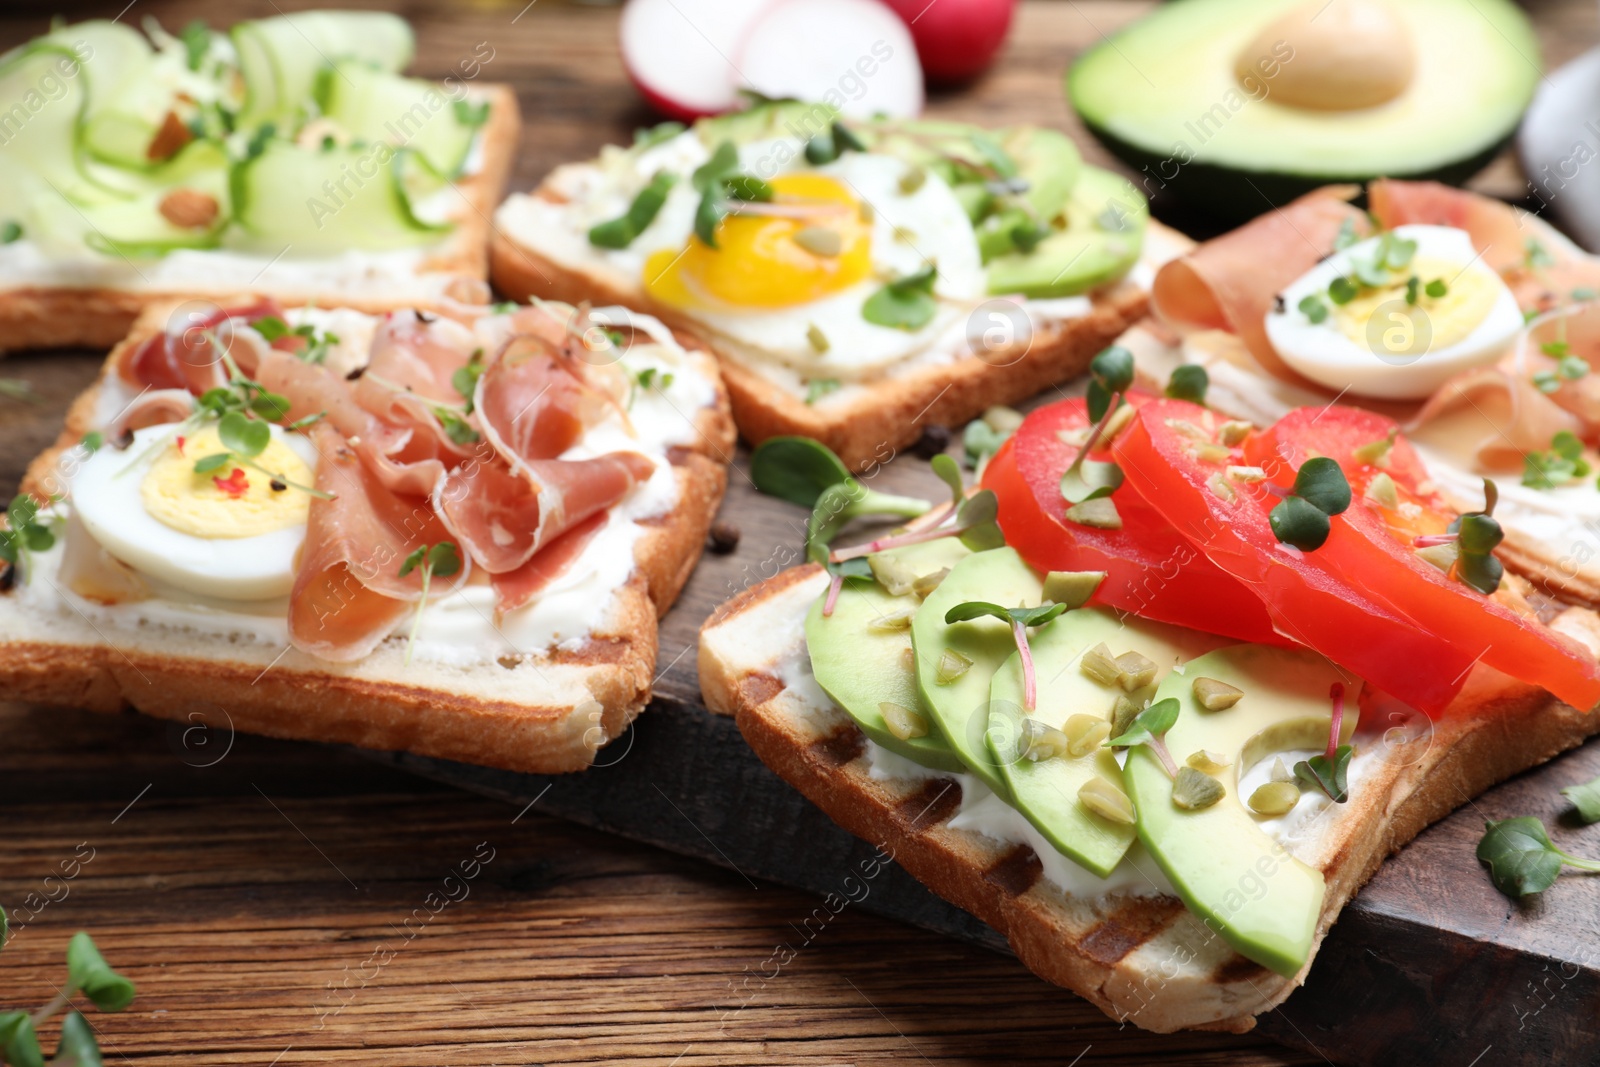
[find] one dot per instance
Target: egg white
(1322, 353)
(908, 231)
(105, 496)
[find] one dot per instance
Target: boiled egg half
(1395, 316)
(226, 533)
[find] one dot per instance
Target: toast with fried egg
(214, 164)
(179, 593)
(1035, 263)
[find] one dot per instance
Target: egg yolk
(820, 245)
(1431, 323)
(231, 501)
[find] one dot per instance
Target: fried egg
(226, 533)
(1441, 312)
(788, 283)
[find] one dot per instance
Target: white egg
(1383, 346)
(106, 496)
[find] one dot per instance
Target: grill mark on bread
(930, 805)
(1239, 969)
(1127, 929)
(1016, 872)
(758, 688)
(840, 748)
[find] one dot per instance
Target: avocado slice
(1046, 160)
(1047, 792)
(1233, 875)
(1105, 219)
(860, 667)
(1164, 96)
(961, 705)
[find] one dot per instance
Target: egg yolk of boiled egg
(1437, 313)
(231, 500)
(768, 260)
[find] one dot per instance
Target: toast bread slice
(545, 713)
(64, 316)
(1139, 957)
(867, 425)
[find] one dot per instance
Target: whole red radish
(956, 39)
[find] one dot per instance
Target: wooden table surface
(283, 903)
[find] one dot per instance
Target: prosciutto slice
(534, 404)
(348, 594)
(504, 516)
(188, 354)
(152, 408)
(1231, 282)
(514, 589)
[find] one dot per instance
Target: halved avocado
(1209, 98)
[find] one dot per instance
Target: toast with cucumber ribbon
(285, 156)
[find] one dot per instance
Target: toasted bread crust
(302, 698)
(889, 414)
(1147, 959)
(55, 317)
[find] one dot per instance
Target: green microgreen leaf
(906, 303)
(950, 474)
(1090, 480)
(440, 560)
(621, 231)
(1321, 482)
(471, 114)
(708, 215)
(1413, 285)
(1346, 236)
(1149, 726)
(1313, 308)
(1113, 369)
(1342, 290)
(1189, 382)
(975, 522)
(77, 1046)
(456, 427)
(817, 388)
(1521, 857)
(1436, 289)
(1330, 776)
(747, 188)
(1298, 522)
(10, 232)
(1535, 255)
(19, 1041)
(464, 379)
(648, 136)
(1572, 367)
(207, 464)
(92, 441)
(89, 973)
(724, 160)
(1585, 798)
(243, 435)
(978, 609)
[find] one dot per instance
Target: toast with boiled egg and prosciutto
(285, 156)
(1268, 625)
(448, 533)
(860, 282)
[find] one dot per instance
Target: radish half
(856, 55)
(682, 55)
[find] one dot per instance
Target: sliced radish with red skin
(681, 54)
(856, 55)
(956, 39)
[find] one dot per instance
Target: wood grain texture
(236, 893)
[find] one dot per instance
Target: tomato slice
(1151, 570)
(1310, 597)
(1376, 543)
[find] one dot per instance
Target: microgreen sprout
(245, 438)
(1563, 462)
(464, 379)
(800, 470)
(441, 560)
(1189, 381)
(1330, 771)
(837, 570)
(1019, 619)
(817, 388)
(88, 974)
(718, 182)
(1149, 728)
(24, 532)
(621, 232)
(1586, 799)
(1535, 256)
(310, 344)
(1521, 857)
(906, 303)
(974, 519)
(1110, 377)
(1303, 519)
(831, 143)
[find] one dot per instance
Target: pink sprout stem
(1430, 540)
(833, 595)
(883, 544)
(1030, 689)
(1336, 694)
(1159, 745)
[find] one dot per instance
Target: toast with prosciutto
(446, 532)
(1306, 568)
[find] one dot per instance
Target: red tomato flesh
(1310, 597)
(1375, 543)
(1151, 570)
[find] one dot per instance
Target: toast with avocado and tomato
(450, 534)
(285, 156)
(859, 281)
(1157, 698)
